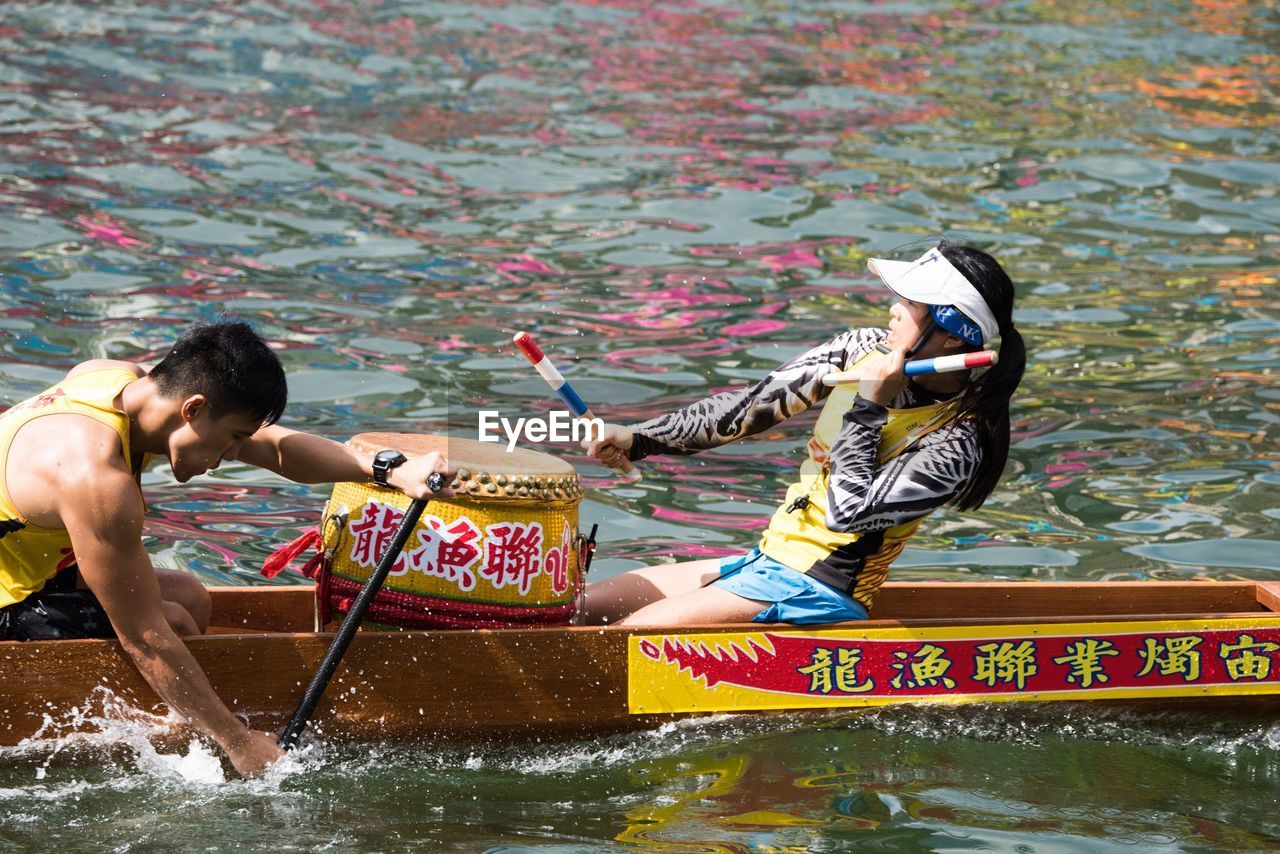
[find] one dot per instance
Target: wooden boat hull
(565, 682)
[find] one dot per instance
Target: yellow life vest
(799, 537)
(31, 555)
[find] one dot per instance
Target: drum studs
(464, 474)
(490, 488)
(483, 477)
(502, 480)
(523, 490)
(509, 489)
(456, 484)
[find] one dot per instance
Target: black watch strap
(383, 463)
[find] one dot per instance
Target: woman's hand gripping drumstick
(612, 447)
(609, 452)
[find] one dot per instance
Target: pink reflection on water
(656, 553)
(797, 256)
(523, 264)
(754, 327)
(759, 325)
(107, 230)
(657, 312)
(710, 520)
(701, 349)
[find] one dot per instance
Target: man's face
(203, 441)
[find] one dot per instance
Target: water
(674, 198)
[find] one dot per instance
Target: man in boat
(884, 454)
(72, 563)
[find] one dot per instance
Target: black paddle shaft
(289, 737)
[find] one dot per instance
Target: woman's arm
(862, 496)
(732, 415)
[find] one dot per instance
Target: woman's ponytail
(985, 400)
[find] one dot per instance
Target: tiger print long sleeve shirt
(861, 495)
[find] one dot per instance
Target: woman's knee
(612, 599)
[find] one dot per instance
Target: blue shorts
(794, 596)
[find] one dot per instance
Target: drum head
(466, 453)
(486, 470)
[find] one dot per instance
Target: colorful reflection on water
(675, 198)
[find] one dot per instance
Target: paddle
(293, 731)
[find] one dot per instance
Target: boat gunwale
(262, 609)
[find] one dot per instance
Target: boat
(928, 642)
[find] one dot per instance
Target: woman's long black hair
(986, 398)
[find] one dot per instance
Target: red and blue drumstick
(577, 407)
(940, 365)
(947, 364)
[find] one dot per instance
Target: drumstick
(561, 386)
(940, 365)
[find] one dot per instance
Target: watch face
(384, 461)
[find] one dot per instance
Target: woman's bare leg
(697, 608)
(610, 600)
(671, 595)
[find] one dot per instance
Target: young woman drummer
(884, 454)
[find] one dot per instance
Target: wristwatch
(383, 463)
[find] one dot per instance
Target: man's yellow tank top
(31, 555)
(800, 538)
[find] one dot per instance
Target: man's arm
(103, 513)
(306, 458)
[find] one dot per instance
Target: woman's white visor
(931, 280)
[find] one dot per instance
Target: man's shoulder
(66, 461)
(76, 443)
(107, 365)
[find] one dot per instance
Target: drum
(505, 551)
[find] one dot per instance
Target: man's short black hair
(230, 365)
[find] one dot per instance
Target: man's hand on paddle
(253, 753)
(883, 379)
(611, 449)
(411, 477)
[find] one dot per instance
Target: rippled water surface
(675, 197)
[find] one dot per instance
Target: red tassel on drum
(282, 557)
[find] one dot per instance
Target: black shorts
(58, 611)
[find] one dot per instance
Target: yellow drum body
(505, 551)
